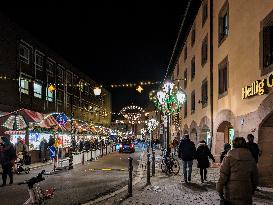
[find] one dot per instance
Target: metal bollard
(101, 150)
(112, 148)
(148, 170)
(106, 150)
(82, 157)
(91, 154)
(70, 161)
(130, 182)
(153, 164)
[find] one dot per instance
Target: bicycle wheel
(176, 167)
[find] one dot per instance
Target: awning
(31, 117)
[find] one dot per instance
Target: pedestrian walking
(202, 155)
(81, 144)
(186, 152)
(52, 152)
(253, 147)
(238, 175)
(43, 150)
(227, 147)
(175, 143)
(8, 157)
(51, 141)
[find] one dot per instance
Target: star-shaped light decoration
(51, 88)
(139, 89)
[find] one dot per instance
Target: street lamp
(151, 126)
(168, 100)
(97, 91)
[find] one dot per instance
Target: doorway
(265, 142)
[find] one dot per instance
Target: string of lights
(81, 84)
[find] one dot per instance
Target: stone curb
(137, 179)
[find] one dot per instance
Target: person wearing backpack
(202, 155)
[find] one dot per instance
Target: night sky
(109, 43)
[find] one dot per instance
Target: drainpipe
(211, 69)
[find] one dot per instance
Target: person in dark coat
(51, 141)
(227, 147)
(87, 145)
(253, 147)
(43, 150)
(81, 145)
(8, 157)
(186, 152)
(202, 155)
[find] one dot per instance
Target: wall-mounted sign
(258, 87)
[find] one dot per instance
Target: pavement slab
(172, 190)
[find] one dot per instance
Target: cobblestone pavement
(172, 190)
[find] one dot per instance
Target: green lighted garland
(169, 102)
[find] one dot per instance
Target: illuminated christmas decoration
(133, 114)
(51, 88)
(139, 89)
(143, 131)
(152, 124)
(168, 100)
(97, 91)
(15, 122)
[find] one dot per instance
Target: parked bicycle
(169, 165)
(37, 195)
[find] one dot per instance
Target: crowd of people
(238, 172)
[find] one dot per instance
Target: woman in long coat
(238, 175)
(202, 155)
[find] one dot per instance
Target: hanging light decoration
(97, 91)
(170, 99)
(51, 88)
(152, 124)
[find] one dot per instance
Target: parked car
(127, 146)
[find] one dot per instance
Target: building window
(193, 35)
(223, 23)
(60, 96)
(37, 90)
(204, 51)
(177, 70)
(204, 12)
(223, 78)
(193, 102)
(192, 68)
(186, 108)
(49, 96)
(24, 53)
(185, 52)
(185, 78)
(50, 67)
(204, 93)
(24, 86)
(60, 75)
(267, 44)
(38, 62)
